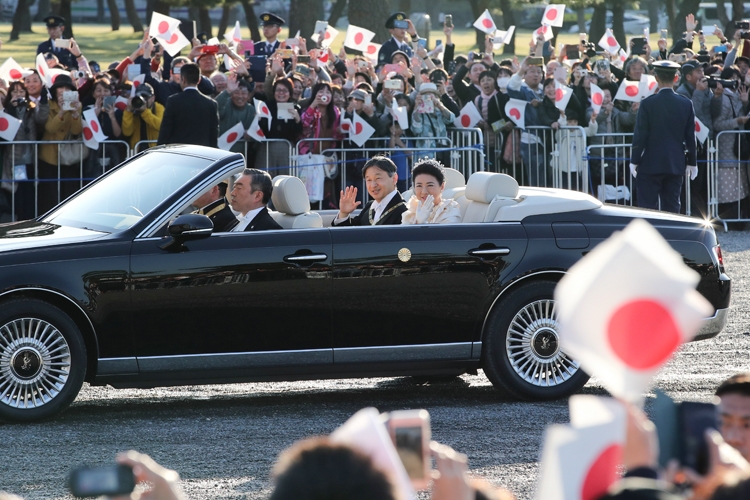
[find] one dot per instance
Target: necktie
(372, 216)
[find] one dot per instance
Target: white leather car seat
(292, 204)
(487, 192)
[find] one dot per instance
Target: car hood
(35, 234)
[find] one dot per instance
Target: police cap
(398, 16)
(666, 68)
(268, 19)
(54, 21)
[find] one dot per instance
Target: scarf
(482, 103)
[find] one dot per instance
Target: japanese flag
(609, 43)
(43, 70)
(330, 34)
(255, 131)
(92, 129)
(361, 131)
(545, 31)
(580, 460)
(647, 86)
(322, 56)
(629, 91)
(401, 114)
(372, 50)
(626, 307)
(346, 125)
(597, 98)
(553, 15)
(175, 43)
(231, 136)
(262, 111)
(121, 103)
(234, 36)
(503, 37)
(701, 131)
(11, 70)
(137, 81)
(562, 96)
(162, 26)
(515, 110)
(9, 126)
(53, 73)
(485, 23)
(357, 38)
(469, 116)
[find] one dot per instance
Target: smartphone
(720, 48)
(404, 25)
(742, 25)
(361, 64)
(448, 21)
(535, 61)
(561, 73)
(177, 70)
(302, 70)
(257, 68)
(639, 46)
(368, 99)
(422, 42)
(285, 53)
(391, 67)
(410, 432)
(210, 49)
(393, 84)
(572, 53)
(248, 54)
(62, 43)
(109, 101)
(646, 34)
(111, 481)
(303, 59)
(663, 34)
(438, 43)
(69, 97)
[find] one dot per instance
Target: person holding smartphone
(399, 26)
(55, 28)
(430, 119)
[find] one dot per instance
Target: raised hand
(348, 202)
(690, 23)
(424, 208)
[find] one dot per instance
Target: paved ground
(223, 439)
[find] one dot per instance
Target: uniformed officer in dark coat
(399, 27)
(663, 143)
(217, 210)
(55, 28)
(271, 24)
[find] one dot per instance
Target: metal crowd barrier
(728, 178)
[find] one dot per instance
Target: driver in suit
(386, 205)
(250, 195)
(271, 24)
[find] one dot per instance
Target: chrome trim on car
(117, 366)
(234, 360)
(306, 258)
(714, 325)
(199, 231)
(422, 352)
(490, 251)
(476, 350)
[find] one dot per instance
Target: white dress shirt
(246, 219)
(378, 207)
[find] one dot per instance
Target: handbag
(72, 152)
(331, 167)
(310, 169)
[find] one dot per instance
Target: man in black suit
(386, 205)
(215, 207)
(250, 195)
(190, 117)
(399, 26)
(55, 28)
(664, 136)
(271, 28)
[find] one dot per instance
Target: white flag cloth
(162, 26)
(544, 30)
(469, 116)
(553, 15)
(515, 110)
(231, 136)
(485, 23)
(9, 126)
(92, 129)
(346, 125)
(43, 70)
(597, 98)
(255, 131)
(361, 131)
(121, 103)
(330, 34)
(562, 96)
(11, 70)
(357, 38)
(175, 43)
(626, 307)
(234, 35)
(503, 37)
(701, 131)
(629, 91)
(262, 111)
(137, 81)
(401, 114)
(647, 86)
(609, 43)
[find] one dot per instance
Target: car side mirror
(187, 227)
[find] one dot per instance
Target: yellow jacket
(131, 125)
(55, 130)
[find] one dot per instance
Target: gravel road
(223, 440)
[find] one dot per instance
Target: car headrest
(453, 178)
(485, 186)
(289, 195)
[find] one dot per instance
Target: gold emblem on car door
(404, 255)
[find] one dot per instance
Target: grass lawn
(103, 45)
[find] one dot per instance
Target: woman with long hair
(273, 155)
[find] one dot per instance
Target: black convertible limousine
(120, 285)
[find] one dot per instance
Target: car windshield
(121, 199)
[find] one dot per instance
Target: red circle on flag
(41, 71)
(260, 133)
(643, 323)
(551, 14)
(327, 35)
(596, 99)
(611, 41)
(697, 127)
(371, 49)
(487, 23)
(631, 90)
(345, 127)
(232, 137)
(559, 94)
(358, 129)
(15, 74)
(87, 133)
(359, 38)
(602, 473)
(515, 113)
(136, 83)
(173, 38)
(4, 124)
(265, 111)
(54, 77)
(121, 105)
(651, 85)
(94, 126)
(465, 121)
(163, 27)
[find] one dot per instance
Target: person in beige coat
(426, 205)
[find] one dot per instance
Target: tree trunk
(114, 14)
(737, 14)
(45, 8)
(653, 15)
(99, 11)
(405, 6)
(224, 21)
(65, 11)
(598, 23)
(721, 13)
(302, 16)
(509, 19)
(581, 20)
(133, 17)
(336, 12)
(669, 5)
(21, 18)
(204, 21)
(251, 19)
(477, 7)
(159, 6)
(618, 20)
(371, 15)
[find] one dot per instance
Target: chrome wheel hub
(533, 349)
(34, 363)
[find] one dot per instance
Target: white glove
(424, 209)
(633, 169)
(692, 172)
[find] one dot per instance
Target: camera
(590, 49)
(727, 84)
(742, 25)
(115, 480)
(79, 74)
(138, 102)
(21, 102)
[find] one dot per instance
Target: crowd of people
(196, 97)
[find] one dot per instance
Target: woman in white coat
(426, 205)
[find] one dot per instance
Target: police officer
(271, 24)
(55, 28)
(663, 143)
(399, 26)
(215, 207)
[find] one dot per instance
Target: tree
(370, 15)
(251, 19)
(133, 17)
(21, 19)
(66, 12)
(336, 12)
(598, 22)
(302, 16)
(509, 20)
(477, 7)
(114, 14)
(224, 21)
(618, 20)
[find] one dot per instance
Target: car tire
(42, 360)
(521, 353)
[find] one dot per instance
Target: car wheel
(521, 349)
(42, 360)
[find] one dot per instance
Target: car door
(233, 300)
(416, 292)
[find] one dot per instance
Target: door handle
(313, 257)
(489, 252)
